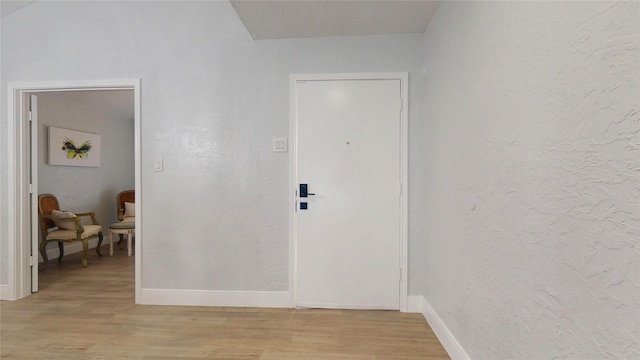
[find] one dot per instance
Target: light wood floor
(82, 314)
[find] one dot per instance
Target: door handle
(304, 191)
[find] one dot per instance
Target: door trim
(19, 249)
(404, 150)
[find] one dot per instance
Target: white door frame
(293, 160)
(19, 249)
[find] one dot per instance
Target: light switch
(157, 164)
(280, 144)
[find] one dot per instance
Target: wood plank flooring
(89, 314)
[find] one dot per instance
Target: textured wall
(533, 178)
(212, 100)
(81, 189)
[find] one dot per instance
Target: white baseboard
(69, 248)
(269, 299)
(419, 304)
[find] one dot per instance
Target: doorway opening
(23, 185)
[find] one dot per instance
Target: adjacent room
(325, 179)
(106, 116)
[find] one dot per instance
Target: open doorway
(90, 180)
(23, 177)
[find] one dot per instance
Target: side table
(122, 228)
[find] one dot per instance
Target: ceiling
(271, 19)
(7, 7)
(295, 19)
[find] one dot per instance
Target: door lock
(304, 191)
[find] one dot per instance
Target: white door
(347, 230)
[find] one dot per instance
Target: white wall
(212, 100)
(82, 189)
(531, 109)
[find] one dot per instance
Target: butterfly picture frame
(73, 148)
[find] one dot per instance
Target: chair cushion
(64, 225)
(123, 225)
(129, 209)
(89, 230)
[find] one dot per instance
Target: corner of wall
(418, 304)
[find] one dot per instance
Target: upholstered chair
(64, 226)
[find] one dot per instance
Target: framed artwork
(73, 148)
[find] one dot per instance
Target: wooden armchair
(127, 196)
(60, 226)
